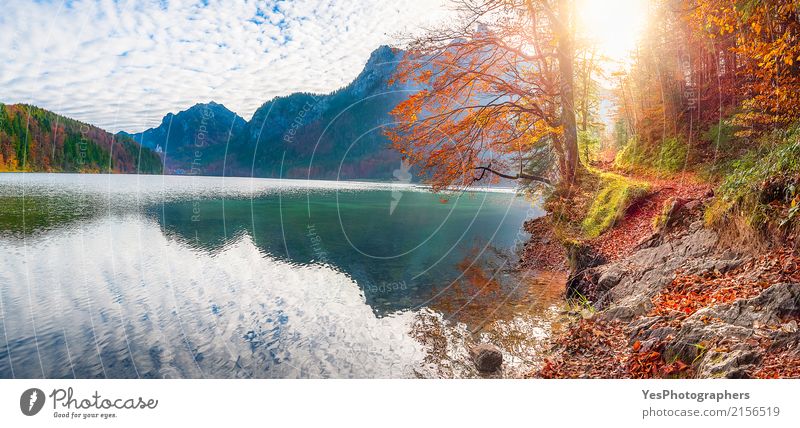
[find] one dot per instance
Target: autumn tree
(496, 96)
(587, 97)
(703, 61)
(762, 46)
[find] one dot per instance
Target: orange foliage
(491, 97)
(765, 38)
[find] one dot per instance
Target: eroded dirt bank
(683, 301)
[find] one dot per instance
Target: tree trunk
(587, 80)
(566, 57)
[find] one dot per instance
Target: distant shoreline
(380, 185)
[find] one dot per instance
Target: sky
(122, 65)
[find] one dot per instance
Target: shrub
(588, 144)
(672, 156)
(762, 186)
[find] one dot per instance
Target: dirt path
(638, 221)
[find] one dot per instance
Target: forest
(34, 139)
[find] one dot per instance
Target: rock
(722, 266)
(582, 282)
(487, 358)
(609, 278)
(739, 324)
(648, 270)
(692, 205)
(622, 313)
(729, 254)
(768, 308)
(649, 241)
(678, 211)
(734, 364)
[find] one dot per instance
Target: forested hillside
(33, 139)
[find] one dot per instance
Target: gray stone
(621, 313)
(734, 364)
(768, 308)
(647, 271)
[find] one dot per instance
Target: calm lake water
(126, 276)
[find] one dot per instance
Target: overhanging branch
(520, 175)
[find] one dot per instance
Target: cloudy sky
(122, 65)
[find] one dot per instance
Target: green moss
(616, 193)
(631, 155)
(663, 217)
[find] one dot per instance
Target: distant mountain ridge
(35, 139)
(302, 135)
(324, 136)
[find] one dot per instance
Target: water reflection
(129, 276)
(396, 259)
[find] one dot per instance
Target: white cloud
(122, 65)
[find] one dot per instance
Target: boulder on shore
(487, 358)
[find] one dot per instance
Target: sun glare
(614, 25)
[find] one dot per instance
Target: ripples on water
(150, 276)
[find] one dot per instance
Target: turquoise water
(148, 276)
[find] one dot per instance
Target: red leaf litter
(638, 221)
(689, 293)
(543, 251)
(780, 364)
(590, 349)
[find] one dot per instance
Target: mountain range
(303, 135)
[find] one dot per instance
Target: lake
(135, 276)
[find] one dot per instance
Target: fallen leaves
(645, 365)
(543, 251)
(779, 364)
(590, 349)
(688, 294)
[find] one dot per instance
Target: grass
(582, 303)
(614, 196)
(762, 187)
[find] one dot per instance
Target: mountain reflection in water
(151, 276)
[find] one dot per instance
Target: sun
(613, 26)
